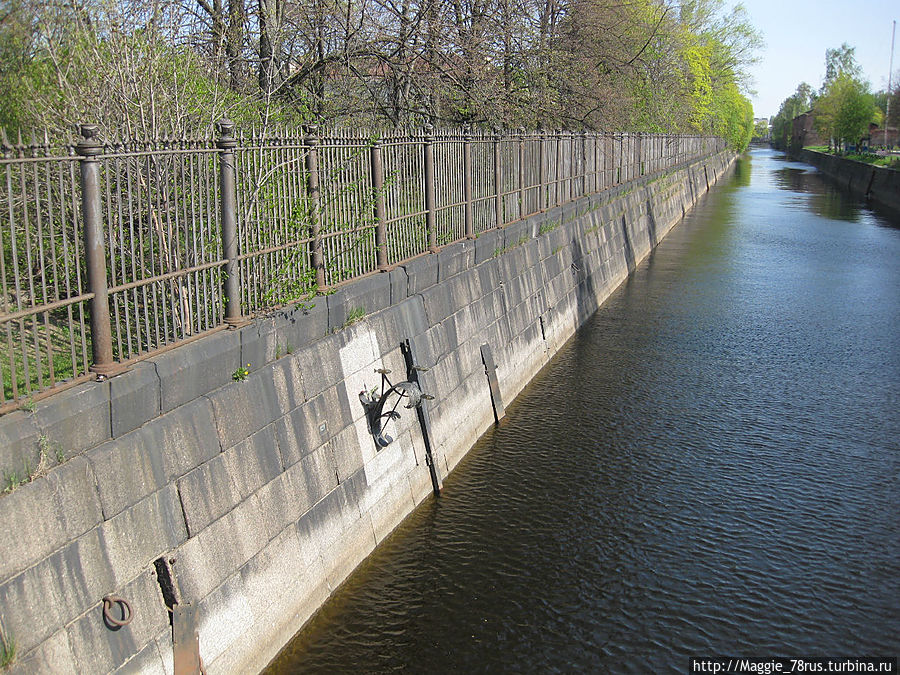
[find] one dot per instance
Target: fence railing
(114, 250)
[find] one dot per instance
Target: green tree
(761, 129)
(845, 109)
(799, 102)
(732, 115)
(841, 61)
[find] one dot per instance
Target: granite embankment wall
(875, 183)
(253, 500)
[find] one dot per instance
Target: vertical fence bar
(94, 251)
(522, 211)
(542, 174)
(376, 166)
(556, 183)
(467, 183)
(231, 285)
(317, 257)
(430, 220)
(583, 163)
(498, 177)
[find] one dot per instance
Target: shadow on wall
(585, 287)
(651, 225)
(626, 243)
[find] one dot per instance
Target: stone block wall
(254, 499)
(875, 183)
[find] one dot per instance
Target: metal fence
(114, 250)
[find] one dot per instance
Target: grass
(354, 315)
(865, 157)
(500, 251)
(875, 160)
(14, 479)
(7, 648)
(549, 227)
(30, 346)
(281, 350)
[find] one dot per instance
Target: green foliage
(241, 373)
(865, 157)
(643, 65)
(549, 226)
(354, 315)
(841, 61)
(799, 102)
(12, 480)
(732, 118)
(760, 129)
(53, 66)
(282, 349)
(7, 648)
(844, 109)
(505, 249)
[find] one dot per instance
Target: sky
(797, 33)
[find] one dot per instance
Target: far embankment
(877, 184)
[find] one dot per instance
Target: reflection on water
(710, 466)
(824, 198)
(742, 173)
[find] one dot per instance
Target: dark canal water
(710, 466)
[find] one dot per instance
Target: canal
(710, 466)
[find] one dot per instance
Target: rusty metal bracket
(186, 640)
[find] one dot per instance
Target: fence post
(498, 177)
(430, 219)
(521, 172)
(317, 255)
(467, 183)
(542, 174)
(377, 170)
(95, 253)
(228, 208)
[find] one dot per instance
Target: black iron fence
(114, 250)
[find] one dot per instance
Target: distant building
(878, 139)
(803, 132)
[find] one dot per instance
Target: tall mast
(887, 112)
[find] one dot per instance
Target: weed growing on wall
(354, 315)
(7, 648)
(549, 227)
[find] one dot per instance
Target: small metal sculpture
(374, 404)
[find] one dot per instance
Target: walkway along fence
(114, 250)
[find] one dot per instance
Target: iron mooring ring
(127, 612)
